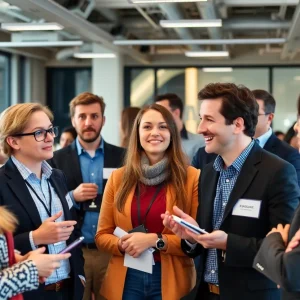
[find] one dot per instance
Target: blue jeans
(143, 286)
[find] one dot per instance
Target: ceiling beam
(51, 11)
(253, 3)
(293, 37)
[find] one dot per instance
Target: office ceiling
(107, 22)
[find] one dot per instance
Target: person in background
(67, 137)
(18, 273)
(155, 176)
(37, 195)
(87, 164)
(264, 136)
(279, 134)
(190, 142)
(242, 194)
(127, 119)
(291, 137)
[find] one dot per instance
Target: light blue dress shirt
(264, 138)
(92, 172)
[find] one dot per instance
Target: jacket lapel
(18, 187)
(74, 164)
(207, 191)
(246, 176)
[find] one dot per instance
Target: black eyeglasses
(265, 114)
(41, 134)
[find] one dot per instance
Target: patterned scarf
(11, 258)
(155, 174)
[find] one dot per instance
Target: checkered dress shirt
(226, 182)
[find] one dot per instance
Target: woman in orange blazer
(155, 177)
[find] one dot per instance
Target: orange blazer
(178, 270)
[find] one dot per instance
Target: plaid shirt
(41, 188)
(226, 182)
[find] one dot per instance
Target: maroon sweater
(153, 220)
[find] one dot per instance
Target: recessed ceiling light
(227, 69)
(163, 1)
(297, 78)
(94, 55)
(31, 26)
(206, 53)
(190, 23)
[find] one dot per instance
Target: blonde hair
(177, 162)
(14, 120)
(86, 98)
(8, 221)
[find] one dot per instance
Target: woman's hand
(284, 231)
(137, 242)
(177, 229)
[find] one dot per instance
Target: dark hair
(267, 98)
(174, 101)
(177, 163)
(127, 120)
(290, 134)
(237, 101)
(278, 132)
(71, 130)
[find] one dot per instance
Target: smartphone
(188, 225)
(72, 245)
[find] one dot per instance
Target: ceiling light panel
(31, 26)
(206, 53)
(163, 1)
(94, 55)
(40, 44)
(212, 70)
(190, 23)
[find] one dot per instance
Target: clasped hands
(217, 239)
(136, 243)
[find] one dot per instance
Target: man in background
(190, 142)
(87, 164)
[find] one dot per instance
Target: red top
(153, 220)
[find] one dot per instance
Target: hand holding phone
(188, 225)
(72, 245)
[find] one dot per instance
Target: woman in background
(67, 137)
(155, 177)
(21, 273)
(127, 120)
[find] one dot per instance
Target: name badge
(107, 172)
(247, 208)
(69, 201)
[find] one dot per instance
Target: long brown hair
(8, 220)
(127, 120)
(177, 164)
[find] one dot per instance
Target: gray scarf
(155, 174)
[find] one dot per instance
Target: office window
(286, 90)
(4, 81)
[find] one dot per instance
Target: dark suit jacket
(273, 145)
(283, 268)
(67, 160)
(263, 177)
(15, 196)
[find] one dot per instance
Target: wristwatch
(160, 244)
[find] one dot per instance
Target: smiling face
(154, 135)
(88, 122)
(27, 148)
(219, 137)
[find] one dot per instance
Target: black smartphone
(72, 245)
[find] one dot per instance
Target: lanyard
(138, 201)
(42, 202)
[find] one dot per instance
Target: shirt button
(227, 180)
(224, 204)
(92, 174)
(213, 271)
(94, 226)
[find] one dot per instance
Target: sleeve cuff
(33, 246)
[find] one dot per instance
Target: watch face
(160, 244)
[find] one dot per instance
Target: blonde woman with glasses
(36, 194)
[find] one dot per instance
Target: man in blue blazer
(263, 133)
